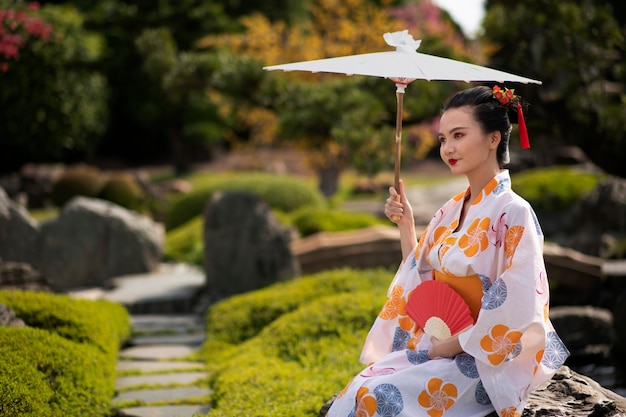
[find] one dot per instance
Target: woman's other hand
(399, 210)
(397, 206)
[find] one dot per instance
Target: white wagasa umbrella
(403, 66)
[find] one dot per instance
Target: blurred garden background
(157, 106)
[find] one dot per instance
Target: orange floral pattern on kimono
(499, 343)
(437, 397)
(366, 404)
(475, 240)
(395, 305)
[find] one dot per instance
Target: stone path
(156, 377)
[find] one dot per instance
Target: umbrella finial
(402, 40)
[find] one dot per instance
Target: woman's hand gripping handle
(399, 211)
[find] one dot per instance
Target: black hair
(490, 115)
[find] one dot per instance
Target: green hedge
(103, 324)
(63, 363)
(279, 192)
(124, 190)
(185, 243)
(283, 350)
(43, 374)
(310, 220)
(555, 189)
(81, 180)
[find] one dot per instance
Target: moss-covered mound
(103, 324)
(284, 350)
(554, 189)
(311, 220)
(279, 192)
(44, 374)
(63, 364)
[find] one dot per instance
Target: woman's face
(465, 148)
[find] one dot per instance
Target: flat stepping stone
(164, 411)
(157, 352)
(193, 339)
(180, 323)
(170, 289)
(160, 395)
(157, 366)
(184, 378)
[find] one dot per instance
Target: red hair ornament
(506, 96)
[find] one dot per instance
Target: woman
(487, 245)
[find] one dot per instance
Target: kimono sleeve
(513, 341)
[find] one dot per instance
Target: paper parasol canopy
(403, 66)
(439, 310)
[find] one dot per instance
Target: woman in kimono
(485, 243)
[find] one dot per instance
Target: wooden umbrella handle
(399, 101)
(399, 105)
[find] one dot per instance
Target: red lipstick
(452, 161)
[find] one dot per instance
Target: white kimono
(511, 348)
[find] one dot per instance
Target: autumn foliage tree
(340, 121)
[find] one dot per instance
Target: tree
(18, 26)
(340, 121)
(140, 127)
(53, 103)
(577, 48)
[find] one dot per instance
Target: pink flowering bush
(17, 27)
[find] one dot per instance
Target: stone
(599, 219)
(570, 394)
(36, 181)
(9, 318)
(22, 276)
(19, 233)
(587, 332)
(94, 240)
(245, 246)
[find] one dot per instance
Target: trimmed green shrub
(82, 180)
(22, 390)
(103, 324)
(288, 361)
(185, 243)
(555, 189)
(43, 374)
(279, 192)
(243, 316)
(123, 190)
(311, 220)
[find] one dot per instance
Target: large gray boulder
(599, 219)
(245, 246)
(19, 233)
(93, 240)
(587, 331)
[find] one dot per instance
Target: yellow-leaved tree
(340, 121)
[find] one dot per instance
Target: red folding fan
(439, 310)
